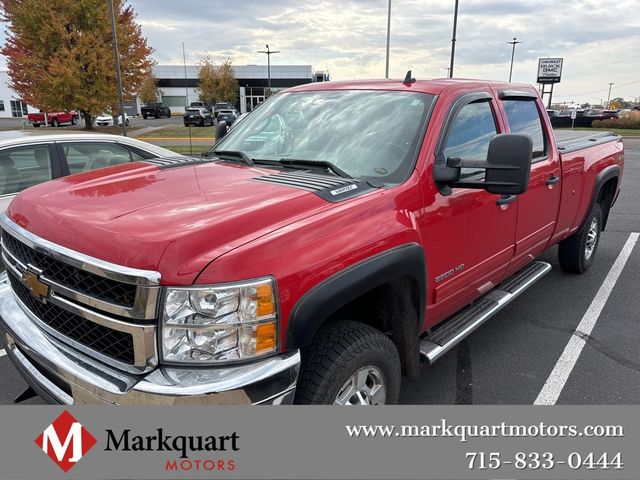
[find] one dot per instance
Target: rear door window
(85, 156)
(524, 118)
(24, 167)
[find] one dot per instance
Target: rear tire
(55, 123)
(349, 363)
(576, 253)
(36, 125)
(144, 116)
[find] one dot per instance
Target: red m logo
(66, 441)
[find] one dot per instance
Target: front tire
(349, 363)
(55, 123)
(576, 253)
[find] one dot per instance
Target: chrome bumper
(62, 375)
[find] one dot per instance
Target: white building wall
(6, 95)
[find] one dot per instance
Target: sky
(599, 40)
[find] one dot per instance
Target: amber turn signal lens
(266, 337)
(266, 300)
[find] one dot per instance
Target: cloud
(600, 41)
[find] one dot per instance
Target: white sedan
(27, 159)
(106, 120)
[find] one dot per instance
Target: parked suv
(197, 116)
(156, 110)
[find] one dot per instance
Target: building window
(1, 105)
(174, 101)
(18, 108)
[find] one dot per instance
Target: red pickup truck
(337, 235)
(53, 119)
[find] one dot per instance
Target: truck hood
(172, 220)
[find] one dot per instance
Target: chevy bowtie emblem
(32, 281)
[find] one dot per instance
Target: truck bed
(584, 141)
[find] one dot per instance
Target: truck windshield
(367, 134)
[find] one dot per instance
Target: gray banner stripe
(312, 442)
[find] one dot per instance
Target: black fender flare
(315, 306)
(608, 173)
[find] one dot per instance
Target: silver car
(27, 159)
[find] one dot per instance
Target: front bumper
(62, 375)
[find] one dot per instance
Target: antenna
(408, 79)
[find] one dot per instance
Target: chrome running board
(463, 323)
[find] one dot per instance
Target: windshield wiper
(295, 162)
(235, 154)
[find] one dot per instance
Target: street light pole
(453, 39)
(609, 96)
(117, 59)
(386, 70)
(513, 52)
(269, 53)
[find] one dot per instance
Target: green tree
(60, 57)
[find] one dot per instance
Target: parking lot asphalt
(510, 358)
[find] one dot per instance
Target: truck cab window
(524, 118)
(470, 135)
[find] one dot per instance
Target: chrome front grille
(101, 288)
(102, 309)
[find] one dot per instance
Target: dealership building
(10, 103)
(179, 89)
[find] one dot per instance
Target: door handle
(504, 199)
(552, 180)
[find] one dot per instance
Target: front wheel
(576, 253)
(54, 122)
(36, 125)
(349, 363)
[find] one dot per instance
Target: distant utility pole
(117, 58)
(609, 96)
(453, 39)
(269, 53)
(386, 70)
(186, 95)
(513, 52)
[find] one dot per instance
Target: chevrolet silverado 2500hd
(313, 260)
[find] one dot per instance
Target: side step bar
(458, 327)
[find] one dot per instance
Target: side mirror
(221, 130)
(508, 166)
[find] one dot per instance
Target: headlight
(219, 323)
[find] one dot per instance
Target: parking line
(555, 383)
(2, 353)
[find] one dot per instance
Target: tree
(216, 84)
(227, 83)
(60, 56)
(207, 81)
(149, 91)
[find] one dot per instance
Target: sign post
(574, 114)
(549, 73)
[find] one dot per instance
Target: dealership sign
(549, 70)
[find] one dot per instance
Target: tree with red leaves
(60, 55)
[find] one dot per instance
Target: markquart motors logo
(66, 441)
